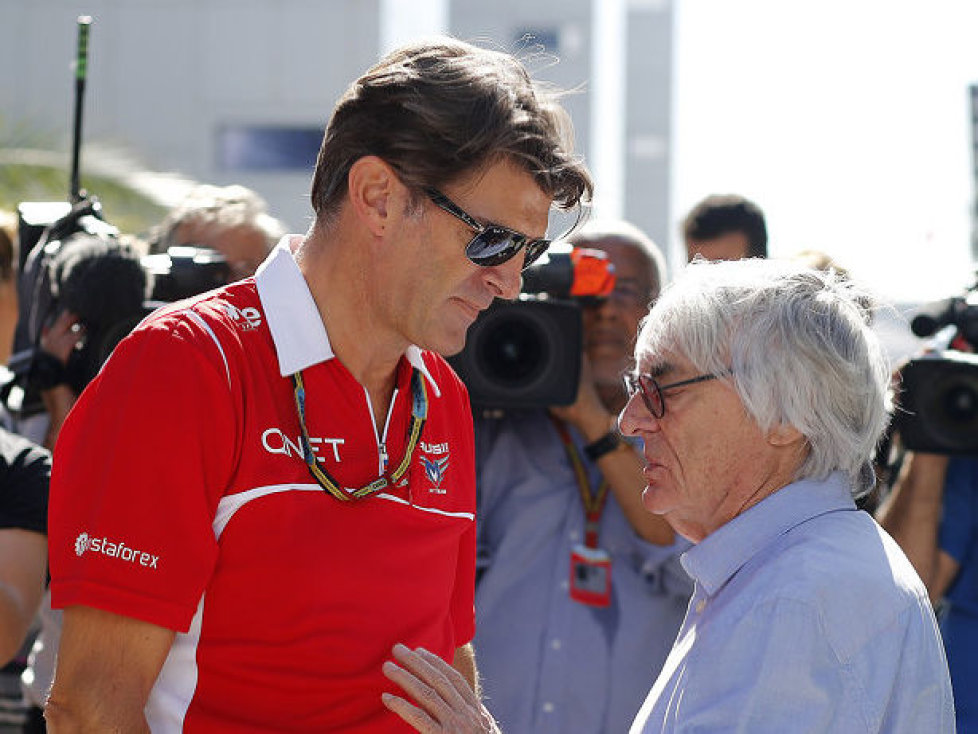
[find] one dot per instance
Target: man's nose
(635, 418)
(504, 279)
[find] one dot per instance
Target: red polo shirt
(179, 496)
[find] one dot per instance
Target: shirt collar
(722, 553)
(297, 329)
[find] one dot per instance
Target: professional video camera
(527, 352)
(939, 404)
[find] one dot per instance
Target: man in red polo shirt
(268, 486)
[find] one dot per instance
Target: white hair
(796, 345)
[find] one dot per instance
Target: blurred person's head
(8, 283)
(232, 220)
(725, 227)
(780, 378)
(611, 325)
(441, 110)
(101, 282)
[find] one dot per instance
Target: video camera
(108, 286)
(939, 403)
(527, 352)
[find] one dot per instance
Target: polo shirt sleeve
(139, 468)
(958, 517)
(25, 470)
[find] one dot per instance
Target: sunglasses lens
(493, 245)
(534, 249)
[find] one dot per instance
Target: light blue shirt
(546, 662)
(806, 617)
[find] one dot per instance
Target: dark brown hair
(440, 109)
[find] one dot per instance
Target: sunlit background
(848, 121)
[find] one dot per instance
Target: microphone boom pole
(81, 71)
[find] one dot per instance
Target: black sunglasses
(493, 244)
(652, 391)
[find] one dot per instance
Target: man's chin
(447, 345)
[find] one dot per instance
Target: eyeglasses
(652, 391)
(492, 244)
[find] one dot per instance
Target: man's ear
(784, 435)
(373, 187)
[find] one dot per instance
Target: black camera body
(77, 263)
(522, 354)
(527, 353)
(939, 402)
(181, 272)
(939, 406)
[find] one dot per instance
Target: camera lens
(953, 415)
(960, 402)
(513, 351)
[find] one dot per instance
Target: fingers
(445, 701)
(442, 676)
(423, 680)
(411, 715)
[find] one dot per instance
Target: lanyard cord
(594, 503)
(419, 413)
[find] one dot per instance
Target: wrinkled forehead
(677, 341)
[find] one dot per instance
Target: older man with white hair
(760, 395)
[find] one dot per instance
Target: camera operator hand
(587, 413)
(622, 467)
(57, 343)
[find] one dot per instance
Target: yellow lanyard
(593, 503)
(419, 413)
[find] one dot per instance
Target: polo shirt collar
(297, 329)
(716, 558)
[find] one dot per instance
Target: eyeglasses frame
(635, 383)
(533, 248)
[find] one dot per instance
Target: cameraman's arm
(621, 467)
(912, 515)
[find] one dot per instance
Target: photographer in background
(932, 512)
(96, 285)
(560, 489)
(229, 219)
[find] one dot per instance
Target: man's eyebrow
(659, 369)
